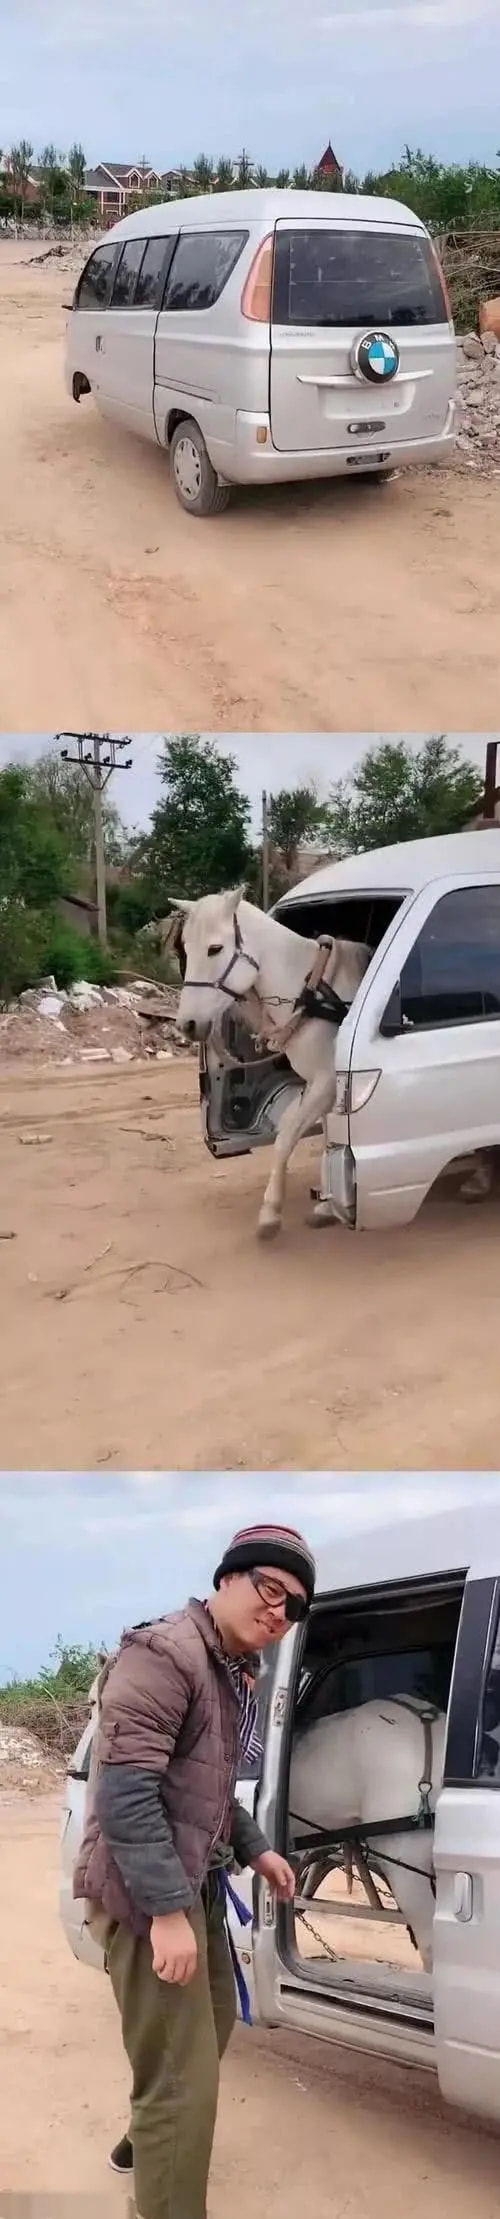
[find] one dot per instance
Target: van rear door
(335, 284)
(467, 1864)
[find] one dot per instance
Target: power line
(97, 766)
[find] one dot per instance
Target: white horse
(356, 1769)
(237, 956)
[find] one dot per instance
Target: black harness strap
(322, 1001)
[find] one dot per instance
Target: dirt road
(291, 2110)
(143, 1326)
(315, 608)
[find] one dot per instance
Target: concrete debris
(89, 1024)
(18, 1747)
(478, 415)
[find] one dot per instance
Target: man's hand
(174, 1948)
(278, 1873)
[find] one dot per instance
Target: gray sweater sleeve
(130, 1810)
(246, 1838)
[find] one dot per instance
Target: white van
(408, 1604)
(418, 1055)
(263, 336)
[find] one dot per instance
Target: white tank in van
(268, 336)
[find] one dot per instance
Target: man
(162, 1832)
(121, 2158)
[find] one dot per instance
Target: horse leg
(318, 1097)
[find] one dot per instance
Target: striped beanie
(279, 1547)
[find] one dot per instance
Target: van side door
(467, 1864)
(126, 336)
(428, 1033)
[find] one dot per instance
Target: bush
(22, 941)
(67, 957)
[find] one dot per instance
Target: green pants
(173, 2038)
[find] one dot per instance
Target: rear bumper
(250, 462)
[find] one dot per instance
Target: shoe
(121, 2159)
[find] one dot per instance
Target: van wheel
(196, 482)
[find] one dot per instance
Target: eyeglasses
(272, 1592)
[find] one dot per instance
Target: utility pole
(265, 853)
(490, 781)
(97, 766)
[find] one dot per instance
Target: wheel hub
(187, 468)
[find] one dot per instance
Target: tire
(191, 466)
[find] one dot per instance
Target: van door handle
(463, 1897)
(99, 345)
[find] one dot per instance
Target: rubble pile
(478, 416)
(91, 1024)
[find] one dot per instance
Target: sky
(84, 1554)
(264, 759)
(130, 78)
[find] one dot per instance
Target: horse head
(220, 969)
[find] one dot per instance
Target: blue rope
(245, 1919)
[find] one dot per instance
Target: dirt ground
(152, 1330)
(291, 2110)
(318, 608)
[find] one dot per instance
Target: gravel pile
(478, 441)
(91, 1024)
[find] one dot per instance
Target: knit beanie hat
(278, 1547)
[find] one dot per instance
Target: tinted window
(151, 271)
(487, 1765)
(201, 267)
(453, 973)
(356, 277)
(128, 266)
(95, 284)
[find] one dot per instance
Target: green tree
(203, 172)
(55, 181)
(34, 855)
(301, 179)
(397, 793)
(262, 177)
(223, 175)
(21, 158)
(198, 842)
(76, 172)
(294, 816)
(66, 794)
(282, 180)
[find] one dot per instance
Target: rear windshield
(372, 278)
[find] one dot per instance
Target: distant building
(329, 166)
(113, 184)
(477, 822)
(79, 913)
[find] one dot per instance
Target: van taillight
(443, 284)
(256, 295)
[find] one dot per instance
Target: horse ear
(232, 900)
(180, 906)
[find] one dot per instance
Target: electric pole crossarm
(97, 755)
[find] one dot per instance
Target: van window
(95, 284)
(157, 258)
(453, 973)
(127, 272)
(487, 1765)
(202, 264)
(356, 277)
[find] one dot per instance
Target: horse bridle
(219, 985)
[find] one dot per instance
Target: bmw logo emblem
(376, 357)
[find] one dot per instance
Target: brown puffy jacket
(165, 1767)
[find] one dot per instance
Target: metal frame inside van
(268, 336)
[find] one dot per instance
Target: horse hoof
(320, 1216)
(268, 1227)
